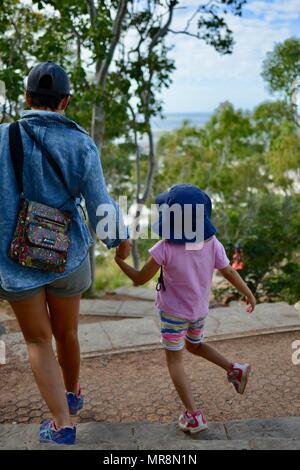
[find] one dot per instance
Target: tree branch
(188, 23)
(164, 30)
(78, 42)
(117, 28)
(92, 10)
(137, 155)
(193, 35)
(19, 44)
(151, 168)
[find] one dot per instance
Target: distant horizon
(187, 112)
(173, 120)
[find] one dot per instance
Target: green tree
(116, 80)
(247, 162)
(281, 69)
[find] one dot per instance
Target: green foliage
(284, 284)
(80, 36)
(67, 33)
(212, 27)
(269, 232)
(108, 275)
(247, 162)
(281, 68)
(119, 169)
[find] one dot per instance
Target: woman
(47, 303)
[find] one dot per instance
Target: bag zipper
(43, 219)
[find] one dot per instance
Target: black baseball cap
(48, 78)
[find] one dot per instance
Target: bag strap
(16, 153)
(160, 283)
(55, 166)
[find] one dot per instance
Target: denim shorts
(175, 331)
(74, 284)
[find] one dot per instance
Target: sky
(203, 78)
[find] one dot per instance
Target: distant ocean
(174, 121)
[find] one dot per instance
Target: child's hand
(251, 303)
(124, 249)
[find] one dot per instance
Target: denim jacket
(78, 158)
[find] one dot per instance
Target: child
(183, 299)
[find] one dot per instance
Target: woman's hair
(45, 101)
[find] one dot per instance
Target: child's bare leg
(180, 379)
(209, 353)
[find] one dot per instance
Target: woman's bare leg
(64, 315)
(209, 353)
(33, 317)
(180, 379)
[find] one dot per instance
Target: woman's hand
(124, 249)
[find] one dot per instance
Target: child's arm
(235, 279)
(138, 277)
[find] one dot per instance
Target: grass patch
(108, 275)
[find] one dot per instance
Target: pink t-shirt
(187, 276)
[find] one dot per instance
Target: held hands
(124, 249)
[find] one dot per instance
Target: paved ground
(104, 329)
(280, 433)
(136, 292)
(135, 387)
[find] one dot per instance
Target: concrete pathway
(146, 293)
(118, 308)
(221, 320)
(142, 293)
(267, 317)
(100, 337)
(132, 334)
(276, 433)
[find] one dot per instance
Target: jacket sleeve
(104, 213)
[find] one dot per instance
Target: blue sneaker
(75, 402)
(49, 434)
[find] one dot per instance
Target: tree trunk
(98, 117)
(135, 254)
(98, 121)
(98, 125)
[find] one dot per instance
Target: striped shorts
(174, 331)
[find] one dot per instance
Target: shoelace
(192, 418)
(233, 374)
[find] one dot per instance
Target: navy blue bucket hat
(187, 198)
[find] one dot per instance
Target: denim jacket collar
(52, 116)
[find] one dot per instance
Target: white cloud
(203, 76)
(287, 10)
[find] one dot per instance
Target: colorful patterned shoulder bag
(41, 239)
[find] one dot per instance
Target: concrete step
(274, 433)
